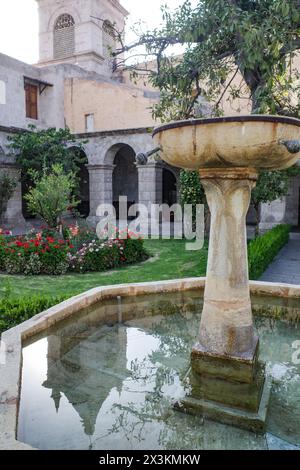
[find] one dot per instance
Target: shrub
(263, 249)
(16, 310)
(4, 236)
(99, 255)
(134, 250)
(46, 253)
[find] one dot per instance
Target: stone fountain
(227, 380)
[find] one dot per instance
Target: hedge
(15, 310)
(261, 252)
(263, 249)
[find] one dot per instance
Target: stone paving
(286, 266)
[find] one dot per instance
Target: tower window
(64, 36)
(31, 95)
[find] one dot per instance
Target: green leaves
(51, 196)
(257, 36)
(37, 149)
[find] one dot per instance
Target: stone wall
(114, 105)
(13, 216)
(50, 101)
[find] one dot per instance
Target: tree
(233, 48)
(39, 149)
(256, 40)
(7, 188)
(52, 194)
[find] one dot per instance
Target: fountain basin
(254, 141)
(152, 311)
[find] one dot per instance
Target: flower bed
(48, 253)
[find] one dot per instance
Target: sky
(19, 24)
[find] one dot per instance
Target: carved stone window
(64, 36)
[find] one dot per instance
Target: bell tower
(80, 32)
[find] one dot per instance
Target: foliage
(262, 250)
(7, 188)
(15, 310)
(191, 189)
(78, 233)
(171, 261)
(35, 256)
(270, 185)
(99, 255)
(52, 195)
(133, 250)
(38, 149)
(242, 48)
(46, 253)
(233, 49)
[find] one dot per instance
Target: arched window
(64, 36)
(109, 42)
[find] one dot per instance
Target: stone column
(150, 192)
(13, 218)
(101, 189)
(226, 327)
(150, 183)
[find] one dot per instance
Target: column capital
(100, 167)
(149, 165)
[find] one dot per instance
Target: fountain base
(242, 403)
(250, 420)
(241, 368)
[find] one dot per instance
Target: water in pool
(107, 378)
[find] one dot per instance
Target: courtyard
(150, 228)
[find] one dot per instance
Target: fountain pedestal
(227, 381)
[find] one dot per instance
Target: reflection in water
(111, 386)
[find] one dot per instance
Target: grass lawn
(169, 260)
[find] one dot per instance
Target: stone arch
(64, 36)
(125, 174)
(61, 11)
(170, 187)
